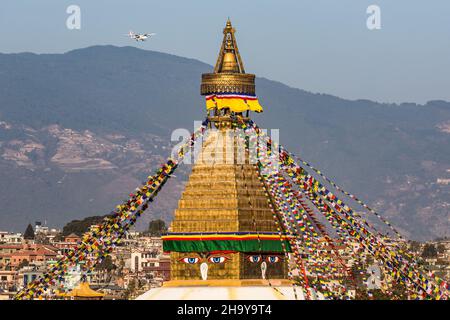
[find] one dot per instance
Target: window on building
(136, 263)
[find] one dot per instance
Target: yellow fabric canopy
(236, 103)
(83, 291)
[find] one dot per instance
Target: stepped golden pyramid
(223, 241)
(222, 200)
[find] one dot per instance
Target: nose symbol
(204, 270)
(263, 269)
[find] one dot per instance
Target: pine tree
(29, 233)
(429, 251)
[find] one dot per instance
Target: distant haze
(321, 46)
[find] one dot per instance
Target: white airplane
(140, 37)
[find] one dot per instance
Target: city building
(8, 280)
(69, 242)
(33, 254)
(10, 238)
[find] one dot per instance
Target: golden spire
(229, 60)
(229, 75)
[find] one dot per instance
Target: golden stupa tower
(224, 232)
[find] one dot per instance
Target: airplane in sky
(140, 37)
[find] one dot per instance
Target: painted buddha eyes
(194, 260)
(190, 260)
(254, 259)
(270, 259)
(273, 259)
(217, 259)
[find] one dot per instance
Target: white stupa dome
(227, 293)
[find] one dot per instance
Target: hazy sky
(317, 45)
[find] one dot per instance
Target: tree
(429, 251)
(23, 263)
(59, 237)
(106, 264)
(41, 238)
(81, 226)
(131, 289)
(157, 227)
(29, 233)
(415, 246)
(440, 248)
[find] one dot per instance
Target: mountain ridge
(131, 99)
(161, 53)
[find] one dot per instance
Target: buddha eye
(273, 259)
(217, 259)
(190, 260)
(254, 259)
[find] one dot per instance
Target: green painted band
(225, 245)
